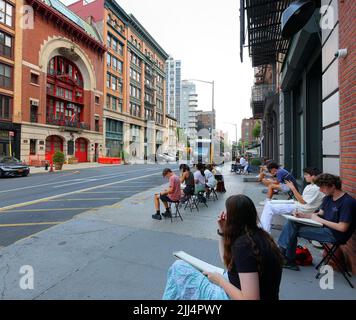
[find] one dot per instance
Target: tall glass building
(173, 88)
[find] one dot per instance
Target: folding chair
(198, 198)
(177, 212)
(189, 202)
(212, 192)
(330, 254)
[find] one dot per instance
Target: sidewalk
(77, 166)
(120, 252)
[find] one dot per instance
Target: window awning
(263, 19)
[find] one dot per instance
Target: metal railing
(67, 122)
(260, 92)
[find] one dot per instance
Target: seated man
(209, 179)
(308, 202)
(171, 195)
(282, 176)
(244, 164)
(264, 175)
(337, 214)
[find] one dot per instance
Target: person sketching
(251, 257)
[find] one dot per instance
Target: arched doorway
(81, 150)
(53, 144)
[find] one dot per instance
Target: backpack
(303, 256)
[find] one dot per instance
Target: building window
(108, 77)
(5, 107)
(97, 99)
(113, 83)
(113, 103)
(97, 127)
(5, 45)
(6, 13)
(108, 60)
(5, 76)
(70, 147)
(34, 78)
(33, 147)
(108, 102)
(34, 113)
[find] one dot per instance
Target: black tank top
(190, 180)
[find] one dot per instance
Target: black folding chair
(330, 255)
(177, 212)
(189, 202)
(211, 194)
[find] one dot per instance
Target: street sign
(11, 133)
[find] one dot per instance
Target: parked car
(11, 167)
(165, 157)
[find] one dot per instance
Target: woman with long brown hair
(251, 257)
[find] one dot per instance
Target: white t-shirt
(313, 198)
(210, 177)
(243, 162)
(198, 176)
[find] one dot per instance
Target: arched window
(64, 93)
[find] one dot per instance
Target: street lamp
(212, 83)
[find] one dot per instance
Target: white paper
(197, 263)
(282, 201)
(306, 221)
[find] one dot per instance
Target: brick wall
(347, 85)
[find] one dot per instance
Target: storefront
(10, 135)
(114, 138)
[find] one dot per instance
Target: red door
(53, 144)
(81, 150)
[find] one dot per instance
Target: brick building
(313, 92)
(206, 120)
(247, 126)
(10, 127)
(61, 79)
(347, 91)
(134, 108)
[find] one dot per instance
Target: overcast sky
(204, 35)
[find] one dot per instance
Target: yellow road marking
(25, 204)
(49, 209)
(83, 199)
(106, 191)
(28, 224)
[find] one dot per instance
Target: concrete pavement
(76, 166)
(119, 252)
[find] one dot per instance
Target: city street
(29, 205)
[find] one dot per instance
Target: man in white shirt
(244, 163)
(308, 202)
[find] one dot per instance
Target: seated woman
(187, 178)
(252, 259)
(199, 178)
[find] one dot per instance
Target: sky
(205, 36)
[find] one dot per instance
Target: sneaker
(317, 244)
(157, 216)
(291, 265)
(167, 214)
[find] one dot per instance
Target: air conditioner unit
(35, 103)
(78, 94)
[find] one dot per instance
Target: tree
(257, 130)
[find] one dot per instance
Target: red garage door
(81, 150)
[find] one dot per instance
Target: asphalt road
(37, 202)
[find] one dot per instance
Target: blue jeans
(292, 230)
